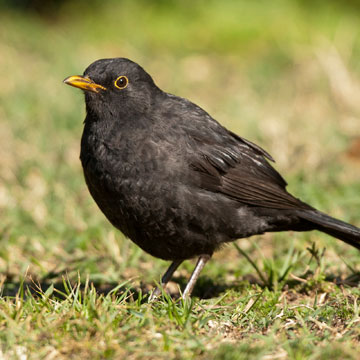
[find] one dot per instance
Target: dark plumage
(174, 180)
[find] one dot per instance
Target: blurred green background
(284, 74)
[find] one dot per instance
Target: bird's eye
(121, 82)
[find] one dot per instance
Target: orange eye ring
(121, 82)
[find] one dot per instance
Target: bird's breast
(135, 173)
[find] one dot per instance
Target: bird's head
(115, 87)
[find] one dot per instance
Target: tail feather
(334, 227)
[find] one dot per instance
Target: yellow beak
(83, 83)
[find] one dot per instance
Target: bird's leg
(203, 259)
(166, 278)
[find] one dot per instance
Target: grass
(285, 76)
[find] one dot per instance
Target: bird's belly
(151, 210)
(165, 215)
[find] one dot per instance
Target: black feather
(174, 180)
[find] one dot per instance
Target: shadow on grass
(205, 288)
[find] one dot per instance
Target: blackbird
(174, 180)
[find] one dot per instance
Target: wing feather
(240, 170)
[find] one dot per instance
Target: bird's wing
(239, 169)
